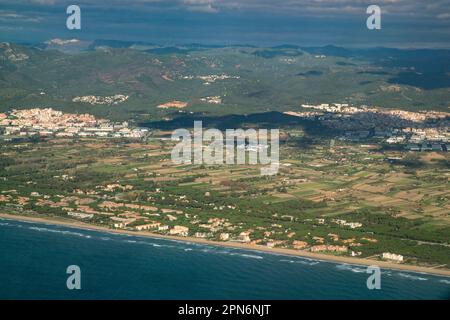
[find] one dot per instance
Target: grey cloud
(9, 16)
(200, 5)
(412, 8)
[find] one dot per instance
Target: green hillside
(261, 79)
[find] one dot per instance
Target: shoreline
(236, 245)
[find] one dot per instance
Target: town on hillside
(48, 122)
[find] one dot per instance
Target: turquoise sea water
(34, 258)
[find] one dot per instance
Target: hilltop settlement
(49, 122)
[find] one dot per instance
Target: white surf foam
(347, 267)
(412, 277)
(61, 232)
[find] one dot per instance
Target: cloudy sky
(405, 23)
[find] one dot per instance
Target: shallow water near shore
(34, 258)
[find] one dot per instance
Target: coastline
(237, 245)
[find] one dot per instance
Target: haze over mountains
(405, 23)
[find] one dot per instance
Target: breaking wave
(412, 277)
(307, 262)
(71, 233)
(347, 267)
(245, 255)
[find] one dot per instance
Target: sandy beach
(292, 252)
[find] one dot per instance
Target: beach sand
(292, 252)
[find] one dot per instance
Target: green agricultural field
(401, 211)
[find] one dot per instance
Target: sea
(34, 259)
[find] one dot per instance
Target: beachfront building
(329, 248)
(80, 215)
(203, 234)
(392, 257)
(179, 231)
(163, 228)
(299, 244)
(245, 236)
(147, 226)
(224, 236)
